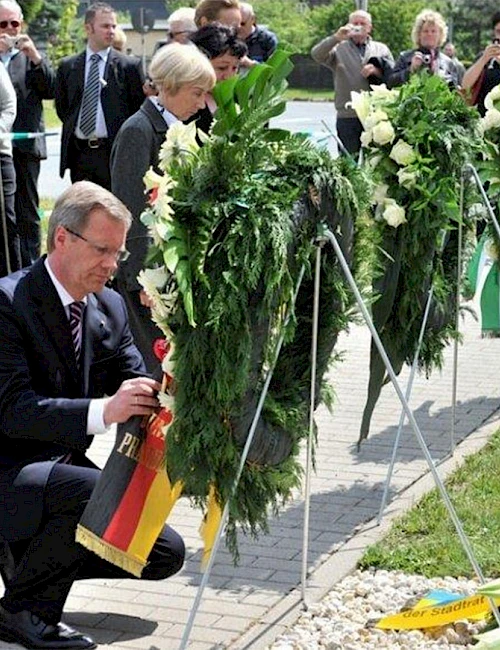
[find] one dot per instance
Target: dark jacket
(401, 70)
(44, 400)
(32, 84)
(135, 150)
(121, 97)
(261, 44)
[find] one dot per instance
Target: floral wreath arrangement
(484, 272)
(416, 141)
(233, 223)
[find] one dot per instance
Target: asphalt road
(315, 118)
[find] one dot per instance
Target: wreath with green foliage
(233, 224)
(417, 139)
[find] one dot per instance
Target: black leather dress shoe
(29, 630)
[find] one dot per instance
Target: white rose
(407, 178)
(360, 103)
(380, 193)
(375, 117)
(491, 97)
(393, 213)
(373, 161)
(380, 92)
(402, 153)
(491, 120)
(383, 133)
(366, 138)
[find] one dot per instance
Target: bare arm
(473, 73)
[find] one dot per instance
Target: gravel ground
(339, 621)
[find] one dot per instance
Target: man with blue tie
(68, 370)
(96, 91)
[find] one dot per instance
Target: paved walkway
(248, 606)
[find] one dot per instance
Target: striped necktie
(90, 100)
(75, 322)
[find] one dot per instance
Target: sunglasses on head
(5, 23)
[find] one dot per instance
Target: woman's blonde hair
(429, 16)
(175, 65)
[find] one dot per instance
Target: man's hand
(343, 33)
(26, 45)
(369, 70)
(491, 52)
(134, 397)
(6, 43)
(247, 62)
(416, 61)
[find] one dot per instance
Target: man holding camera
(357, 61)
(33, 80)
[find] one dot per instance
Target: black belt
(91, 143)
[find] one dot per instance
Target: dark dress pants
(349, 130)
(8, 218)
(90, 163)
(28, 219)
(49, 563)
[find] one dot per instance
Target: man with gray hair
(180, 26)
(357, 61)
(261, 42)
(68, 370)
(34, 81)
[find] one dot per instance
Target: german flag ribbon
(133, 496)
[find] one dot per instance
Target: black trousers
(8, 186)
(26, 203)
(49, 563)
(349, 130)
(90, 164)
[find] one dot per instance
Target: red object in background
(161, 348)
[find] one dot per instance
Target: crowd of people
(357, 61)
(76, 355)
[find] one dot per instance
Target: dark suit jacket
(400, 73)
(32, 84)
(135, 150)
(44, 400)
(121, 97)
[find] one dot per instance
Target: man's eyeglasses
(13, 23)
(102, 251)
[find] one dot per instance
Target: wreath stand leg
(402, 417)
(468, 172)
(411, 418)
(244, 454)
(411, 379)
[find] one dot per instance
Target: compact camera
(356, 29)
(11, 41)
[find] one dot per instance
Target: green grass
(305, 94)
(424, 540)
(50, 115)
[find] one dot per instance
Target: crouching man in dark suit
(67, 372)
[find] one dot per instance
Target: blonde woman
(182, 76)
(428, 35)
